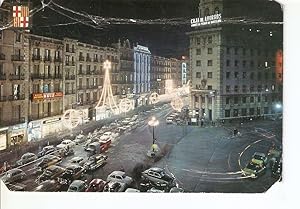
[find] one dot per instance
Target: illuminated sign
(207, 20)
(42, 96)
(20, 16)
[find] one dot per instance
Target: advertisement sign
(183, 73)
(42, 96)
(207, 20)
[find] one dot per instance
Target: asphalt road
(202, 159)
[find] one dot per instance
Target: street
(202, 159)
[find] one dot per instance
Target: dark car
(94, 162)
(46, 150)
(96, 185)
(254, 170)
(71, 173)
(114, 187)
(27, 158)
(13, 175)
(48, 186)
(47, 161)
(159, 177)
(52, 172)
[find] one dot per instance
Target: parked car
(80, 139)
(277, 168)
(114, 186)
(48, 186)
(169, 120)
(132, 190)
(71, 173)
(94, 162)
(66, 143)
(77, 186)
(259, 158)
(46, 150)
(106, 135)
(154, 190)
(27, 158)
(254, 170)
(47, 161)
(159, 177)
(89, 141)
(76, 160)
(96, 185)
(176, 190)
(119, 176)
(13, 175)
(52, 172)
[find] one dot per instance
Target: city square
(127, 111)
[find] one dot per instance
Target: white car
(125, 122)
(134, 118)
(132, 190)
(76, 160)
(106, 135)
(66, 143)
(169, 120)
(119, 176)
(80, 139)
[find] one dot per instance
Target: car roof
(77, 158)
(77, 182)
(96, 181)
(54, 167)
(156, 169)
(14, 170)
(259, 153)
(73, 166)
(117, 173)
(28, 153)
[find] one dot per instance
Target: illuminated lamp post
(153, 122)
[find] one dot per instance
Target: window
(18, 37)
(259, 88)
(244, 88)
(236, 100)
(206, 12)
(258, 111)
(244, 112)
(266, 75)
(235, 112)
(251, 76)
(198, 74)
(227, 63)
(258, 99)
(198, 63)
(236, 74)
(198, 51)
(209, 39)
(236, 88)
(251, 111)
(236, 63)
(227, 74)
(198, 40)
(227, 89)
(244, 63)
(227, 100)
(244, 74)
(244, 100)
(209, 87)
(209, 51)
(217, 10)
(259, 76)
(251, 63)
(236, 50)
(258, 52)
(251, 88)
(67, 47)
(227, 50)
(227, 113)
(209, 62)
(251, 99)
(209, 75)
(251, 52)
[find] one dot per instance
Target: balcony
(47, 59)
(36, 57)
(16, 77)
(81, 58)
(70, 77)
(13, 121)
(81, 87)
(95, 60)
(92, 87)
(2, 77)
(36, 76)
(57, 76)
(88, 59)
(17, 57)
(57, 59)
(70, 92)
(2, 56)
(15, 97)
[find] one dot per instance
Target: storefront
(3, 138)
(52, 125)
(18, 134)
(101, 113)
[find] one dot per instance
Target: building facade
(236, 69)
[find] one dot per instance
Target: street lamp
(153, 122)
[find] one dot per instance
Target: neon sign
(207, 20)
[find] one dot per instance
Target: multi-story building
(184, 70)
(45, 85)
(141, 78)
(161, 71)
(236, 68)
(14, 79)
(69, 73)
(126, 74)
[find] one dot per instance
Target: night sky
(163, 40)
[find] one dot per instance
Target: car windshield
(252, 166)
(73, 188)
(258, 157)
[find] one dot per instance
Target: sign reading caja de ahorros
(207, 20)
